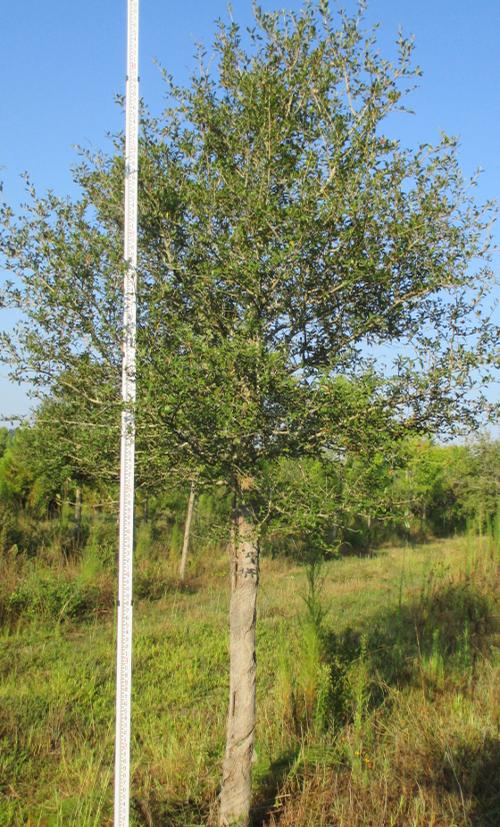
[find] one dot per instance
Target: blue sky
(63, 62)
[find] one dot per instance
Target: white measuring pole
(127, 461)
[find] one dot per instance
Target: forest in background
(51, 517)
(419, 489)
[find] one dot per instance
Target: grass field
(376, 692)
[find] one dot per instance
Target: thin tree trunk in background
(187, 532)
(78, 513)
(369, 527)
(78, 505)
(235, 797)
(423, 519)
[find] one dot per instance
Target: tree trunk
(236, 789)
(187, 532)
(423, 519)
(78, 506)
(369, 527)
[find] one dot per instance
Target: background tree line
(422, 489)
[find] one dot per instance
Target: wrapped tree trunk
(187, 532)
(235, 794)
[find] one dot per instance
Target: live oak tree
(288, 244)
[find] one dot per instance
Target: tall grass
(375, 692)
(421, 744)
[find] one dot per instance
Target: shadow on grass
(485, 783)
(265, 797)
(451, 622)
(471, 774)
(189, 813)
(430, 642)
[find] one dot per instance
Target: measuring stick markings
(127, 443)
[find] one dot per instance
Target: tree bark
(187, 532)
(235, 797)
